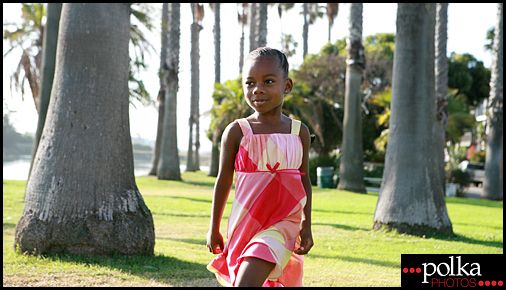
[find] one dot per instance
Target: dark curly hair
(267, 51)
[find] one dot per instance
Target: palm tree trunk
(411, 198)
(215, 152)
(161, 92)
(155, 159)
(305, 30)
(262, 24)
(168, 165)
(49, 44)
(81, 197)
(441, 74)
(493, 182)
(252, 19)
(192, 155)
(352, 156)
(241, 51)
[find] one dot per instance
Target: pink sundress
(267, 210)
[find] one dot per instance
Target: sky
(467, 27)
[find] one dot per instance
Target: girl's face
(264, 84)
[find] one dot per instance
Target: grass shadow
(199, 242)
(452, 238)
(341, 211)
(360, 260)
(342, 227)
(182, 215)
(9, 226)
(158, 267)
(475, 202)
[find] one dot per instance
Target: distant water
(18, 169)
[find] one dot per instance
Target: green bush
(478, 156)
(376, 172)
(460, 177)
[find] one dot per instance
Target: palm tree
(161, 92)
(81, 196)
(285, 7)
(215, 151)
(31, 28)
(193, 148)
(262, 25)
(305, 30)
(31, 32)
(229, 104)
(332, 10)
(49, 43)
(242, 18)
(252, 21)
(352, 156)
(493, 181)
(168, 165)
(441, 74)
(411, 198)
(310, 11)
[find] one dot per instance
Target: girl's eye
(269, 81)
(249, 83)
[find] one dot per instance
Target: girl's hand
(306, 241)
(215, 242)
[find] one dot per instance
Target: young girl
(269, 228)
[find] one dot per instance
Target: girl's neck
(269, 123)
(269, 118)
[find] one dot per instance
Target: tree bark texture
(262, 25)
(253, 29)
(493, 181)
(49, 43)
(161, 92)
(411, 198)
(305, 31)
(192, 157)
(168, 165)
(441, 74)
(81, 197)
(352, 154)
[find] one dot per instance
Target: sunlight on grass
(347, 251)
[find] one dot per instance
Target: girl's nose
(259, 89)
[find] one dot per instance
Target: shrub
(460, 177)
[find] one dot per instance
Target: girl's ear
(288, 86)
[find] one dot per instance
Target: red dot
(493, 283)
(499, 283)
(487, 283)
(405, 270)
(412, 270)
(480, 283)
(418, 270)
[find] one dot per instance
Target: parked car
(476, 171)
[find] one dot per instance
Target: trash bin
(325, 177)
(451, 189)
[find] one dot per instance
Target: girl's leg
(253, 272)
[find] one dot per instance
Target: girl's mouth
(259, 102)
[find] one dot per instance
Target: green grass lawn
(347, 251)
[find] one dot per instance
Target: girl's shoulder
(232, 133)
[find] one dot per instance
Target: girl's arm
(229, 146)
(305, 233)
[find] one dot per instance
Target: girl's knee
(253, 272)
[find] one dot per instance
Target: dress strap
(245, 127)
(295, 127)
